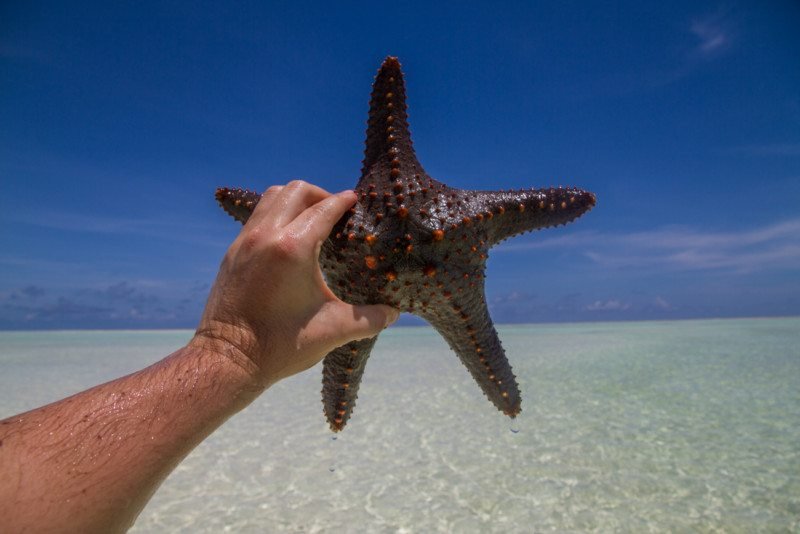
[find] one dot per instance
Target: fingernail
(393, 316)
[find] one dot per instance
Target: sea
(675, 426)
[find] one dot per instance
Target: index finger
(316, 222)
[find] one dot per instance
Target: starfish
(416, 244)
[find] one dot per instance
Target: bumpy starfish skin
(416, 244)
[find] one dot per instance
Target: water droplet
(333, 438)
(331, 469)
(514, 429)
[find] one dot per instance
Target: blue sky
(118, 120)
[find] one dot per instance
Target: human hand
(269, 310)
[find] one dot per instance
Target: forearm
(90, 462)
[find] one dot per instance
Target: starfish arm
(388, 136)
(342, 370)
(238, 203)
(504, 214)
(465, 324)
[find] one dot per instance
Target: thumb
(363, 320)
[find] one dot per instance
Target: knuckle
(273, 189)
(232, 251)
(321, 210)
(251, 239)
(297, 184)
(229, 259)
(287, 247)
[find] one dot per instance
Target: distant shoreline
(420, 324)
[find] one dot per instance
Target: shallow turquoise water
(660, 426)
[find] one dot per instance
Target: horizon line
(554, 322)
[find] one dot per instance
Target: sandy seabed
(659, 426)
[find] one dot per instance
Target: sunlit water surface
(679, 426)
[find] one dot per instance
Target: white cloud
(712, 36)
(709, 38)
(119, 304)
(661, 303)
(608, 305)
(172, 228)
(771, 247)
